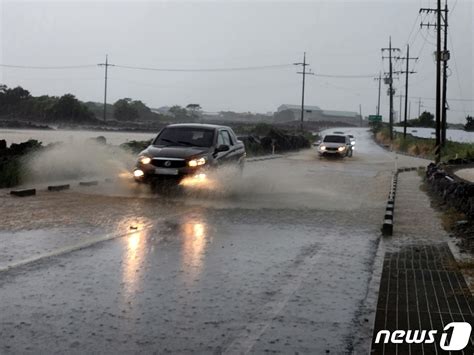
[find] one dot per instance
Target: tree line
(18, 103)
(427, 119)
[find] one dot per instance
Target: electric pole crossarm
(428, 10)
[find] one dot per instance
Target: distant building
(315, 113)
(164, 110)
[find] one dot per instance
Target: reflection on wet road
(280, 260)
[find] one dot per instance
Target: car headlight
(138, 173)
(322, 148)
(341, 149)
(144, 160)
(197, 162)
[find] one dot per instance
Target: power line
(415, 37)
(345, 76)
(457, 73)
(47, 67)
(230, 69)
(262, 67)
(432, 98)
(412, 28)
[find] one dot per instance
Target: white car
(335, 145)
(353, 140)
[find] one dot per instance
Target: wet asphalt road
(281, 260)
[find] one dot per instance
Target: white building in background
(315, 113)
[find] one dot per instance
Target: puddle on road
(274, 184)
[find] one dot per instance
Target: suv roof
(197, 125)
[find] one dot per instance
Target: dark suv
(182, 150)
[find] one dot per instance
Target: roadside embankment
(422, 147)
(75, 160)
(269, 141)
(458, 197)
(11, 161)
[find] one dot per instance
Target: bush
(135, 146)
(11, 161)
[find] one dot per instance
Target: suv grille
(165, 163)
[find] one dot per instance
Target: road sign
(375, 118)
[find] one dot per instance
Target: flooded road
(280, 260)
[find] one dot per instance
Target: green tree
(68, 108)
(179, 113)
(124, 110)
(469, 126)
(11, 100)
(426, 119)
(195, 110)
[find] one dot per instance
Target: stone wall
(454, 191)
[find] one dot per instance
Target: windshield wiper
(169, 141)
(186, 143)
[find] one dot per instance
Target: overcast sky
(340, 38)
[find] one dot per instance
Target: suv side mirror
(222, 148)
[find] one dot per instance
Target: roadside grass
(450, 217)
(466, 265)
(424, 147)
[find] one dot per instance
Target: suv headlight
(197, 162)
(322, 148)
(144, 160)
(341, 149)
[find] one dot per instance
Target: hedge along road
(278, 260)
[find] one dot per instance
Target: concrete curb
(413, 168)
(31, 192)
(387, 226)
(265, 157)
(23, 192)
(89, 183)
(58, 187)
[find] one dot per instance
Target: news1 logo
(455, 336)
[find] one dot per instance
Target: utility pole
(390, 82)
(406, 72)
(438, 26)
(445, 58)
(378, 101)
(438, 84)
(419, 107)
(304, 73)
(106, 65)
(360, 114)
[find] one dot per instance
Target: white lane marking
(246, 340)
(86, 244)
(70, 249)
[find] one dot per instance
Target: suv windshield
(334, 139)
(185, 136)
